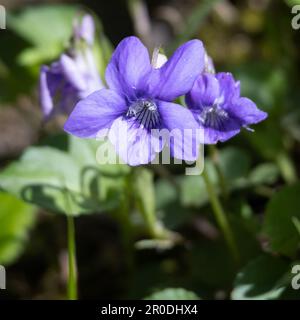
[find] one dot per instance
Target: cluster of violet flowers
(139, 97)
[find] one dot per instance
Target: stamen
(145, 112)
(213, 116)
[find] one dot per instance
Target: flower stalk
(72, 274)
(220, 216)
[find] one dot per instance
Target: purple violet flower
(139, 101)
(218, 108)
(72, 77)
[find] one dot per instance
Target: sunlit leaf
(262, 279)
(67, 182)
(16, 219)
(173, 294)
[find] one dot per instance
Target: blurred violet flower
(84, 29)
(218, 108)
(73, 76)
(139, 102)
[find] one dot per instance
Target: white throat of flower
(158, 59)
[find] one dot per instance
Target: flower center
(213, 116)
(145, 112)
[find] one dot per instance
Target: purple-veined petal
(204, 92)
(223, 132)
(129, 65)
(133, 143)
(95, 113)
(184, 132)
(177, 76)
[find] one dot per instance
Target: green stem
(72, 280)
(214, 153)
(220, 216)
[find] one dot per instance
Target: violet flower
(139, 101)
(219, 109)
(73, 76)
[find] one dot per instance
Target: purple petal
(204, 92)
(177, 76)
(229, 88)
(56, 94)
(183, 129)
(227, 130)
(94, 113)
(133, 143)
(246, 111)
(128, 67)
(45, 94)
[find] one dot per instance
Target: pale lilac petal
(246, 111)
(183, 130)
(72, 72)
(133, 143)
(128, 67)
(204, 92)
(91, 74)
(208, 64)
(94, 113)
(177, 76)
(85, 29)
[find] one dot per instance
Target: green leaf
(235, 165)
(264, 83)
(46, 27)
(192, 188)
(173, 294)
(282, 209)
(262, 279)
(292, 3)
(67, 182)
(16, 219)
(264, 173)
